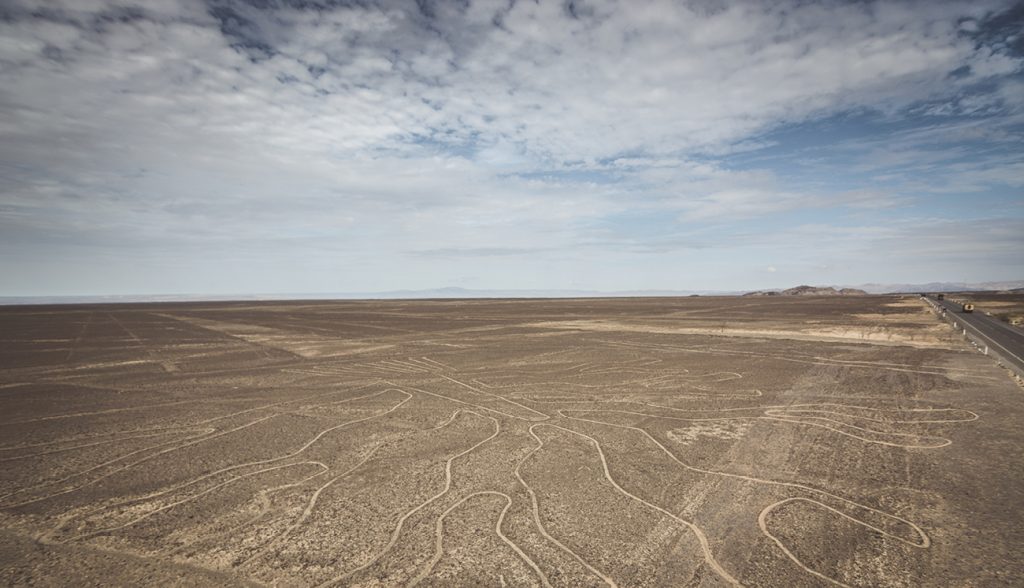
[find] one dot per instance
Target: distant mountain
(810, 291)
(822, 291)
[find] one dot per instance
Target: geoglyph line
(762, 522)
(705, 545)
(941, 441)
(401, 521)
(535, 505)
(189, 442)
(87, 445)
(123, 468)
(295, 453)
(139, 519)
(496, 396)
(480, 406)
(813, 406)
(309, 508)
(199, 438)
(439, 539)
(924, 542)
(815, 360)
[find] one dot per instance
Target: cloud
(439, 129)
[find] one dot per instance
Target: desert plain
(703, 441)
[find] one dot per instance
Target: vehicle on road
(940, 296)
(967, 307)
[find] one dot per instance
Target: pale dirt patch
(999, 304)
(904, 303)
(935, 336)
(713, 429)
(303, 345)
(924, 317)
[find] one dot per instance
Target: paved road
(1004, 339)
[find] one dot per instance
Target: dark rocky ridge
(805, 290)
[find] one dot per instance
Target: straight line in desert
(492, 395)
(389, 366)
(817, 360)
(78, 339)
(422, 365)
(409, 364)
(198, 322)
(479, 406)
(167, 365)
(434, 361)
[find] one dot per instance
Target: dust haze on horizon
(222, 147)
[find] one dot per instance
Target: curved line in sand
(439, 539)
(540, 525)
(705, 545)
(924, 542)
(401, 521)
(139, 519)
(762, 522)
(308, 444)
(940, 441)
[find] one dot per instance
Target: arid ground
(634, 442)
(1008, 307)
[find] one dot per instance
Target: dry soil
(632, 442)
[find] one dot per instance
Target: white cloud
(380, 128)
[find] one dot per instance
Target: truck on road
(967, 307)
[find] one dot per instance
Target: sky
(314, 146)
